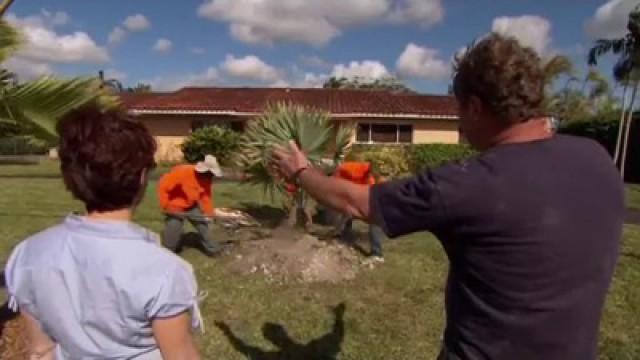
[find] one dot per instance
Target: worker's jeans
(174, 225)
(375, 235)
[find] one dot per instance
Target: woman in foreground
(98, 286)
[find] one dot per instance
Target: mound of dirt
(289, 257)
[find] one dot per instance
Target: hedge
(399, 160)
(221, 142)
(605, 132)
(426, 156)
(23, 145)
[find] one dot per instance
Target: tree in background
(112, 85)
(625, 71)
(389, 83)
(40, 103)
(571, 97)
(140, 88)
(314, 133)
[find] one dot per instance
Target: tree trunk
(616, 155)
(4, 6)
(628, 128)
(298, 215)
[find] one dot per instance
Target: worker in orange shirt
(359, 172)
(185, 194)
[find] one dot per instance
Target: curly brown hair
(507, 77)
(103, 156)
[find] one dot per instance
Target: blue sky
(293, 42)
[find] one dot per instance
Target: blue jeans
(375, 235)
(174, 224)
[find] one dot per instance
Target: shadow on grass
(327, 347)
(268, 216)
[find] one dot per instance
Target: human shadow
(268, 216)
(327, 347)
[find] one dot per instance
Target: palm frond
(43, 101)
(606, 46)
(10, 40)
(311, 129)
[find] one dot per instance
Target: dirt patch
(287, 256)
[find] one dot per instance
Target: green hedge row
(23, 145)
(221, 142)
(605, 132)
(399, 160)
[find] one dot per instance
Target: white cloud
(423, 12)
(314, 22)
(58, 18)
(610, 20)
(117, 35)
(27, 69)
(115, 74)
(250, 67)
(44, 44)
(531, 30)
(367, 69)
(312, 80)
(315, 61)
(208, 77)
(136, 22)
(197, 50)
(163, 45)
(422, 62)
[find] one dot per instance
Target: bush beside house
(221, 142)
(395, 161)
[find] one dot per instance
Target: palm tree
(41, 102)
(4, 6)
(627, 49)
(556, 67)
(311, 129)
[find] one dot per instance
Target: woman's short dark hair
(103, 156)
(507, 77)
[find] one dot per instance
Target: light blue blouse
(95, 286)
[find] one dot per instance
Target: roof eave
(249, 114)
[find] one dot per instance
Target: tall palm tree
(4, 6)
(627, 49)
(311, 129)
(556, 67)
(43, 101)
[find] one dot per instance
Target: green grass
(393, 312)
(633, 196)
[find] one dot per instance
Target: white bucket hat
(210, 164)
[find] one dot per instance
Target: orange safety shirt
(181, 189)
(356, 171)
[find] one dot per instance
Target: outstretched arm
(342, 195)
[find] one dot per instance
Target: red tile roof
(254, 100)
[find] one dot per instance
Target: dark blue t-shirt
(532, 232)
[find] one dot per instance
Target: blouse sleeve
(178, 293)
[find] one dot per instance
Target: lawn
(392, 312)
(633, 196)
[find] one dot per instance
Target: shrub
(221, 142)
(23, 145)
(433, 155)
(387, 161)
(604, 132)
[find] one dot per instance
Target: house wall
(425, 131)
(171, 130)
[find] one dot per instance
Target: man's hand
(289, 160)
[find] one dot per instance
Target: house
(379, 116)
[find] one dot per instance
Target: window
(384, 133)
(237, 126)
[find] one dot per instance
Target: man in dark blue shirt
(531, 226)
